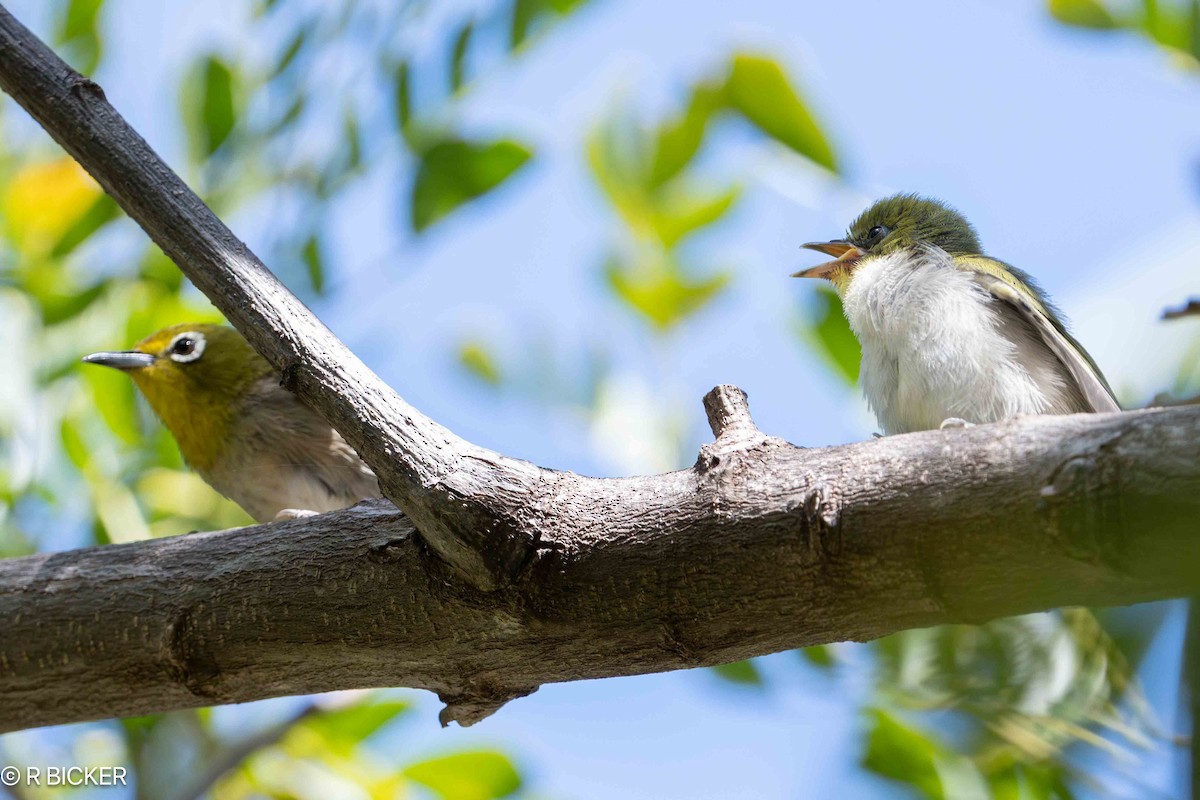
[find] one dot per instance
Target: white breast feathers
(936, 346)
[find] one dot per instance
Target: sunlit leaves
(43, 201)
(1174, 26)
(530, 16)
(478, 775)
(343, 728)
(679, 140)
(902, 753)
(111, 394)
(759, 89)
(1083, 13)
(647, 173)
(210, 105)
(50, 208)
(662, 292)
(826, 329)
(1006, 678)
(477, 359)
(78, 31)
(455, 171)
(684, 212)
(743, 673)
(102, 211)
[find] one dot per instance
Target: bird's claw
(293, 513)
(955, 422)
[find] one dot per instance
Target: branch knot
(729, 414)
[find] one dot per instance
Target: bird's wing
(1001, 281)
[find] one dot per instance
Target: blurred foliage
(1021, 694)
(739, 672)
(996, 710)
(667, 204)
(81, 460)
(826, 330)
(1173, 25)
(648, 173)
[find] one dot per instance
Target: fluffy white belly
(935, 346)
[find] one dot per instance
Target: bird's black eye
(878, 232)
(186, 346)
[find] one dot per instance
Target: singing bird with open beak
(949, 335)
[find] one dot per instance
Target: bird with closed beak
(248, 437)
(949, 335)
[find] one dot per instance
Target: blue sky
(1075, 156)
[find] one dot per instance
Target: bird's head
(194, 376)
(893, 224)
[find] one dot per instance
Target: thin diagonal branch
(422, 467)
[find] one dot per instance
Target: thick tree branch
(759, 547)
(422, 467)
(766, 548)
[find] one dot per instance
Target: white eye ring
(187, 356)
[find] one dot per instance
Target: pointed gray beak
(120, 359)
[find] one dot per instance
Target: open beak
(845, 256)
(121, 359)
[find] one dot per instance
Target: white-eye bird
(249, 438)
(948, 334)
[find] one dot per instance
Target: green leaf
(664, 295)
(679, 140)
(215, 113)
(1172, 26)
(73, 444)
(616, 152)
(530, 15)
(79, 20)
(477, 359)
(454, 172)
(156, 267)
(102, 211)
(829, 332)
(113, 396)
(458, 58)
(352, 137)
(678, 216)
(1083, 14)
(79, 30)
(292, 50)
(314, 263)
(403, 96)
(480, 775)
(60, 306)
(759, 90)
(740, 672)
(903, 754)
(819, 655)
(345, 727)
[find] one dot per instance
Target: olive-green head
(896, 223)
(194, 377)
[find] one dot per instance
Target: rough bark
(422, 467)
(761, 546)
(521, 575)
